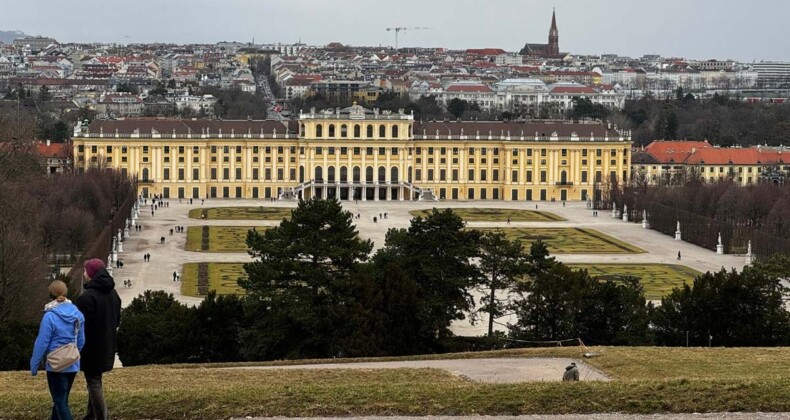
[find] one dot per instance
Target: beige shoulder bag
(65, 355)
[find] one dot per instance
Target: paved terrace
(158, 273)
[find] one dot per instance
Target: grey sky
(743, 30)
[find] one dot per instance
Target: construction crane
(398, 29)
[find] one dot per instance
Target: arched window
(410, 174)
(331, 130)
(319, 174)
(563, 177)
(301, 174)
(370, 131)
(394, 131)
(356, 173)
(343, 174)
(145, 174)
(301, 130)
(369, 174)
(330, 174)
(357, 131)
(394, 174)
(319, 130)
(344, 131)
(382, 174)
(382, 131)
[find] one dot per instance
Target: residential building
(673, 162)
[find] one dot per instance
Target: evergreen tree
(502, 264)
(435, 252)
(156, 329)
(725, 308)
(304, 277)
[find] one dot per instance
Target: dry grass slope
(649, 380)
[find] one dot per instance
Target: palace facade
(357, 153)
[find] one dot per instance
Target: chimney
(693, 150)
(48, 143)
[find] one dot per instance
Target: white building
(194, 103)
(520, 95)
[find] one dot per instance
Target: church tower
(554, 37)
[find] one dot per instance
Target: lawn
(498, 215)
(657, 279)
(647, 380)
(222, 277)
(219, 238)
(241, 213)
(569, 240)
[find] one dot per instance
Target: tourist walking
(101, 306)
(60, 338)
(571, 373)
(175, 275)
(678, 255)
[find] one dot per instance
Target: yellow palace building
(359, 154)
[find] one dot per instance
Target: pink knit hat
(93, 266)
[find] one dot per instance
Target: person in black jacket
(101, 305)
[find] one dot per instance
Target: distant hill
(9, 36)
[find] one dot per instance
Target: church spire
(554, 36)
(553, 19)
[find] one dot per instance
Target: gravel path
(496, 370)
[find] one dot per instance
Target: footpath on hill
(494, 370)
(603, 416)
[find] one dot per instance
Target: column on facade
(375, 174)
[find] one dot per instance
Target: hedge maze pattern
(568, 240)
(498, 215)
(241, 213)
(197, 279)
(219, 238)
(658, 280)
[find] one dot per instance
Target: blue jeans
(60, 387)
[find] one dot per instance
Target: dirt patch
(499, 370)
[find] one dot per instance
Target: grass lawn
(220, 238)
(222, 277)
(657, 279)
(569, 240)
(498, 215)
(647, 380)
(241, 213)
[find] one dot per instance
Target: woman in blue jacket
(57, 329)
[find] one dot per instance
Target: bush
(16, 345)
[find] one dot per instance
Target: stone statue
(720, 246)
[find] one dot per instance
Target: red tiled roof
(674, 151)
(732, 156)
(526, 69)
(486, 51)
(702, 153)
(53, 150)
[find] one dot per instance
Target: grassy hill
(646, 380)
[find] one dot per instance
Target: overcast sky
(742, 30)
